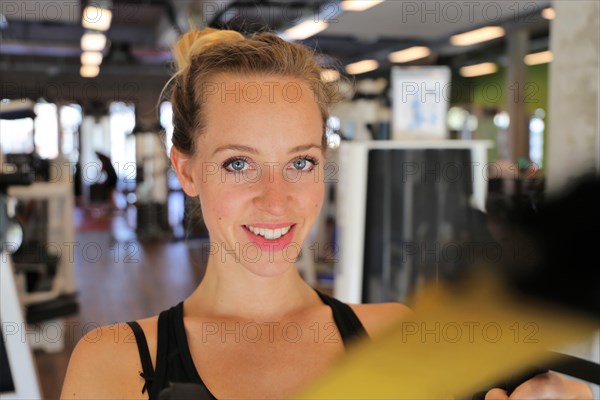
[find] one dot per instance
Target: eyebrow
(252, 150)
(236, 147)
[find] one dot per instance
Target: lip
(271, 244)
(272, 226)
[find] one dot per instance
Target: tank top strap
(345, 318)
(163, 342)
(174, 362)
(155, 378)
(147, 370)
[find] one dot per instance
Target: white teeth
(270, 234)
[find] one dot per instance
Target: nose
(273, 194)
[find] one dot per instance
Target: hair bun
(196, 41)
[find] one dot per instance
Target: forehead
(260, 109)
(256, 88)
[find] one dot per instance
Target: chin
(266, 269)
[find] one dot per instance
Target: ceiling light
(330, 75)
(359, 5)
(478, 69)
(542, 57)
(89, 71)
(361, 67)
(96, 18)
(91, 58)
(549, 13)
(93, 41)
(305, 30)
(477, 36)
(410, 54)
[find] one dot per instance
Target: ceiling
(40, 40)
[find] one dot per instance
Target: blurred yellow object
(457, 342)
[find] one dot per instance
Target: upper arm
(377, 318)
(104, 364)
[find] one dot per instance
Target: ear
(183, 165)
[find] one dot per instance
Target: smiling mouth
(270, 234)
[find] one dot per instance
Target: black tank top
(173, 359)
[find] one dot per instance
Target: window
(122, 148)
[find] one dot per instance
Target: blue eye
(304, 164)
(300, 164)
(236, 165)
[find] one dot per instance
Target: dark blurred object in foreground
(552, 253)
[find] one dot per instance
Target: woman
(249, 142)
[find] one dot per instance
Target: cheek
(320, 193)
(312, 197)
(220, 202)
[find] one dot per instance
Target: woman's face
(258, 169)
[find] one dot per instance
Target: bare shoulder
(376, 318)
(106, 364)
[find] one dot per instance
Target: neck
(231, 290)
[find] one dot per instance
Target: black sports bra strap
(348, 323)
(147, 370)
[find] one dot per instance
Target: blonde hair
(201, 54)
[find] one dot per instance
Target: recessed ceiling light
(361, 67)
(549, 13)
(91, 58)
(471, 71)
(359, 5)
(89, 71)
(96, 18)
(93, 41)
(543, 57)
(410, 54)
(477, 36)
(305, 30)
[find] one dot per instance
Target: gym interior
(459, 121)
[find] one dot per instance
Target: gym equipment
(398, 204)
(18, 375)
(43, 269)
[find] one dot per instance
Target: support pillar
(518, 130)
(574, 124)
(573, 136)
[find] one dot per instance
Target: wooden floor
(119, 279)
